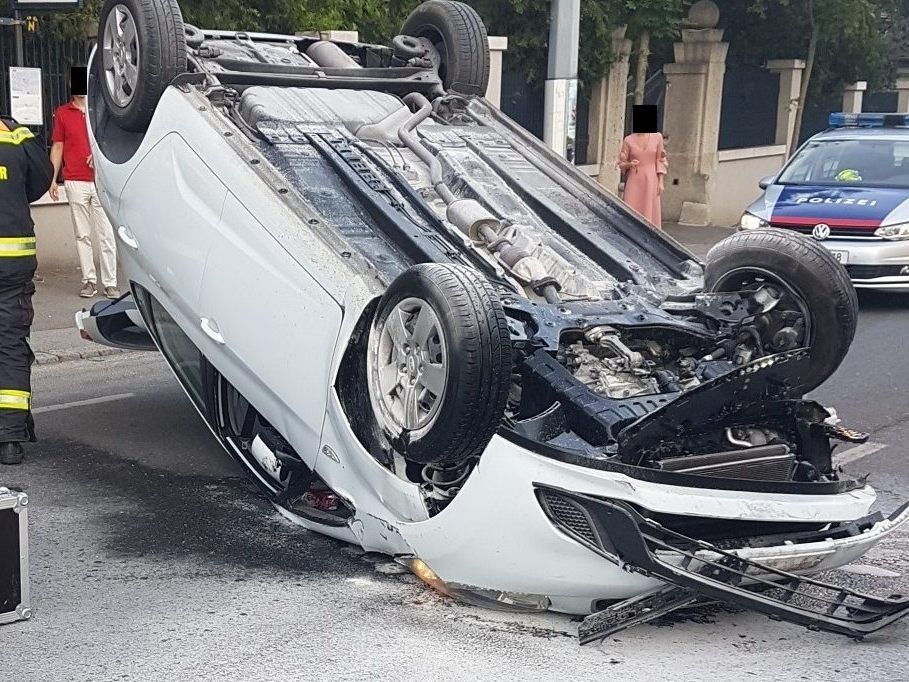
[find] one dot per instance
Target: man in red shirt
(71, 150)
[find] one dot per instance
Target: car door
(270, 327)
(169, 212)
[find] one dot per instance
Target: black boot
(11, 453)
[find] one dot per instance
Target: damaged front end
(766, 579)
(660, 402)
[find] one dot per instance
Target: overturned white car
(425, 334)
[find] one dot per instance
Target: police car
(848, 187)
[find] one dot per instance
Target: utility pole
(16, 22)
(560, 103)
(20, 51)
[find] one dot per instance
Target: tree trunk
(806, 76)
(640, 74)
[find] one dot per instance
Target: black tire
(459, 35)
(812, 274)
(476, 366)
(161, 58)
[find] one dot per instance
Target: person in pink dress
(643, 160)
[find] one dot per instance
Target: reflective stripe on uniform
(12, 247)
(17, 136)
(15, 400)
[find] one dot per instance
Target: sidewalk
(54, 337)
(698, 239)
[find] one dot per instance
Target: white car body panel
(221, 231)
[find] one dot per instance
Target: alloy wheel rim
(120, 54)
(409, 369)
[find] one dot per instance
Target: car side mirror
(764, 183)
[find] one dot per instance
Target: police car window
(860, 162)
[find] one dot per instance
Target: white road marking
(83, 403)
(866, 569)
(858, 452)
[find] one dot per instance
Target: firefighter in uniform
(25, 175)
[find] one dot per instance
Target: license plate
(841, 256)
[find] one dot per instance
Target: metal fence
(54, 57)
(748, 114)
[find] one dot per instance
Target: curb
(52, 357)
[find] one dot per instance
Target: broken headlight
(490, 599)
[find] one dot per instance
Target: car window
(872, 163)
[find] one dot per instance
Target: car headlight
(750, 221)
(898, 231)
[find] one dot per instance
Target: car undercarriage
(497, 305)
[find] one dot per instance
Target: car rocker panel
(422, 332)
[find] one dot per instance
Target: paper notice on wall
(26, 105)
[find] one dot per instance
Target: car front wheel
(814, 304)
(439, 363)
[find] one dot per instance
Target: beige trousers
(90, 223)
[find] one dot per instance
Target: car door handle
(210, 327)
(128, 237)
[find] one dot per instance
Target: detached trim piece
(699, 571)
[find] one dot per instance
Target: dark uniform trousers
(16, 357)
(25, 175)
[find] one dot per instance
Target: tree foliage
(852, 43)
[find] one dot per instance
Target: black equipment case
(14, 597)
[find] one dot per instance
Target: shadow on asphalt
(156, 514)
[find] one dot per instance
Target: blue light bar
(841, 119)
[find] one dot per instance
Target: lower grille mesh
(569, 514)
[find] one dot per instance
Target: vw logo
(821, 231)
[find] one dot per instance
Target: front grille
(872, 271)
(569, 514)
(859, 231)
(766, 463)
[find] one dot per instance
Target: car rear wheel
(245, 434)
(439, 363)
(808, 284)
(278, 471)
(142, 49)
(457, 35)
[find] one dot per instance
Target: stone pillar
(790, 72)
(497, 45)
(852, 97)
(606, 125)
(691, 120)
(902, 90)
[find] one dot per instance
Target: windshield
(856, 163)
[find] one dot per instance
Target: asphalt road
(153, 558)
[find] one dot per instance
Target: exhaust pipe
(326, 53)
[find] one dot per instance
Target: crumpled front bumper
(769, 579)
(496, 534)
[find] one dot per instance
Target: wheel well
(117, 145)
(351, 388)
